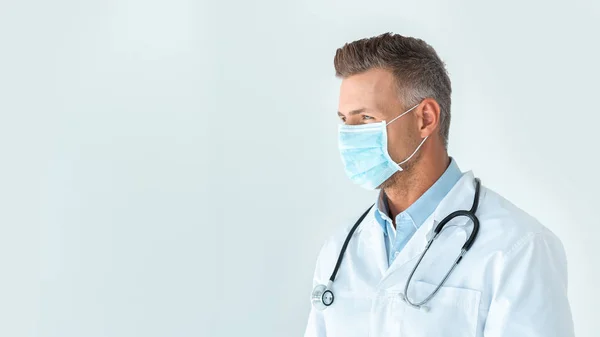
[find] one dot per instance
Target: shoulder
(506, 227)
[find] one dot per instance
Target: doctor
(392, 280)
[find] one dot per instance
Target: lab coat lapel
(460, 197)
(375, 248)
(412, 250)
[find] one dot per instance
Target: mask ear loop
(418, 147)
(402, 114)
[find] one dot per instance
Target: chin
(393, 180)
(389, 182)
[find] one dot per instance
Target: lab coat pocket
(451, 311)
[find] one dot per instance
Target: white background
(169, 168)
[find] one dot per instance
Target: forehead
(370, 89)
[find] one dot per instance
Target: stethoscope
(322, 295)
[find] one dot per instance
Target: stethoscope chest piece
(327, 297)
(322, 297)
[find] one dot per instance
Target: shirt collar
(426, 204)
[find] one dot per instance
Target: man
(395, 107)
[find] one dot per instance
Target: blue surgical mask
(364, 152)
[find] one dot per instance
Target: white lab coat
(512, 283)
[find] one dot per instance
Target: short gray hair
(419, 71)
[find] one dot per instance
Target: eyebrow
(353, 112)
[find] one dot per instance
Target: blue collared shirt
(413, 217)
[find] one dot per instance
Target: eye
(367, 117)
(343, 119)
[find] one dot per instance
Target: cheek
(399, 142)
(395, 144)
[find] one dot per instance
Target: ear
(428, 117)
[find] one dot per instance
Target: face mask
(365, 155)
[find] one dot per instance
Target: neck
(412, 183)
